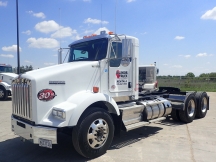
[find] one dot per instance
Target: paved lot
(165, 141)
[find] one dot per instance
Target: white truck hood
(63, 81)
(58, 70)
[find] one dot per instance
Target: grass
(189, 84)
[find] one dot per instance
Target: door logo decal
(122, 77)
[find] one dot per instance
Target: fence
(189, 84)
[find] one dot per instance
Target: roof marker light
(95, 89)
(88, 36)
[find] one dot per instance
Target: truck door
(120, 69)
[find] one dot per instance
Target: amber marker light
(95, 89)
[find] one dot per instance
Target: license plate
(45, 143)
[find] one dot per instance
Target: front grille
(21, 98)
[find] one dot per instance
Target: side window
(116, 54)
(142, 74)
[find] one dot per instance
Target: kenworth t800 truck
(95, 95)
(6, 76)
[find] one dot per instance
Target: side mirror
(157, 71)
(127, 48)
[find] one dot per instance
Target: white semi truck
(94, 97)
(6, 76)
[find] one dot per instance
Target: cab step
(142, 123)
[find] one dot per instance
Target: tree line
(23, 69)
(211, 76)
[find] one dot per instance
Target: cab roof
(103, 34)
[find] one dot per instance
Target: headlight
(59, 113)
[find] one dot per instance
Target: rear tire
(189, 112)
(175, 115)
(3, 93)
(202, 104)
(94, 133)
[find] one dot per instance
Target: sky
(179, 35)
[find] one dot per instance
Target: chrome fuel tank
(156, 108)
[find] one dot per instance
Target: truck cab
(6, 76)
(94, 96)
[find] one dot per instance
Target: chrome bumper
(33, 133)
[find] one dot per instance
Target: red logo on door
(46, 95)
(118, 74)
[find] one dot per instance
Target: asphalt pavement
(159, 142)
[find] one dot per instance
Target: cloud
(4, 4)
(95, 21)
(49, 63)
(179, 37)
(63, 32)
(86, 0)
(43, 43)
(12, 48)
(177, 66)
(101, 29)
(165, 64)
(47, 26)
(204, 55)
(210, 14)
(28, 61)
(129, 1)
(7, 55)
(39, 14)
(27, 32)
(186, 56)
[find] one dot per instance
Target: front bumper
(33, 133)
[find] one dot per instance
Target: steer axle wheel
(189, 112)
(3, 93)
(94, 133)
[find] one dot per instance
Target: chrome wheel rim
(97, 133)
(204, 104)
(191, 108)
(1, 93)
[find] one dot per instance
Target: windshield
(89, 51)
(5, 69)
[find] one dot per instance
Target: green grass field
(189, 84)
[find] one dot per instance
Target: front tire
(94, 133)
(3, 93)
